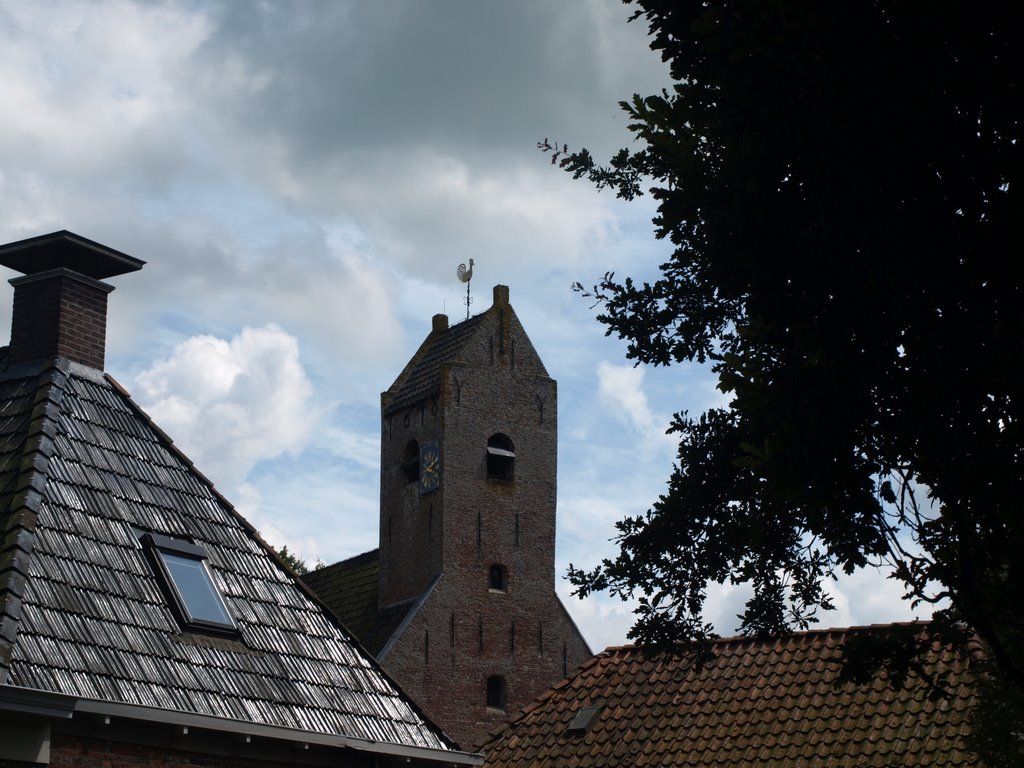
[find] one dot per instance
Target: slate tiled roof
(422, 377)
(760, 703)
(351, 589)
(82, 472)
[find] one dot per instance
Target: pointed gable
(470, 340)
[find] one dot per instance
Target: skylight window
(181, 568)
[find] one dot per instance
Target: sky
(303, 179)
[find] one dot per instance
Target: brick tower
(464, 614)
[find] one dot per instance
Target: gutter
(63, 706)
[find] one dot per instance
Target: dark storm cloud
(466, 78)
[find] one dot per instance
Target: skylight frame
(166, 554)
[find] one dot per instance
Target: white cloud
(231, 404)
(621, 389)
(325, 167)
(867, 597)
(88, 89)
(603, 620)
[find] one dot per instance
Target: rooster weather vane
(465, 275)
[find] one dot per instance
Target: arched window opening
(411, 462)
(496, 692)
(501, 458)
(497, 579)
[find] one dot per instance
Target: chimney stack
(60, 305)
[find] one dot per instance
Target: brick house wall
(149, 746)
(83, 752)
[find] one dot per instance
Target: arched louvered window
(501, 458)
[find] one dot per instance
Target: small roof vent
(584, 719)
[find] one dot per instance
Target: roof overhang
(62, 706)
(68, 250)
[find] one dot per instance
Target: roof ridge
(351, 561)
(634, 647)
(17, 535)
(170, 445)
(415, 603)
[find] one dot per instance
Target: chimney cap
(68, 250)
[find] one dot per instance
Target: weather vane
(465, 275)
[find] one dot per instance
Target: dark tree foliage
(842, 184)
(292, 560)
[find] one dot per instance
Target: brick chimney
(60, 305)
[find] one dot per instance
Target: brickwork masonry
(467, 631)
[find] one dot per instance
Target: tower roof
(421, 377)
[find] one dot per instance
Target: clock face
(430, 467)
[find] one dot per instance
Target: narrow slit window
(498, 578)
(411, 462)
(501, 458)
(496, 693)
(181, 568)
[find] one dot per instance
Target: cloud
(620, 388)
(231, 404)
(86, 91)
(337, 478)
(603, 620)
(325, 167)
(482, 79)
(867, 597)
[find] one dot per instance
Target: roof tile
(422, 377)
(88, 616)
(760, 703)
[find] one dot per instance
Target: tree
(292, 560)
(842, 184)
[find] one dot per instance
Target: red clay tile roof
(758, 703)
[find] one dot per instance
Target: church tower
(466, 616)
(469, 460)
